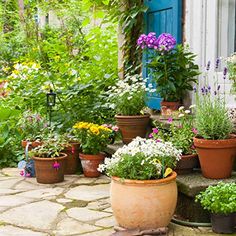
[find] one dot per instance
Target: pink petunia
(155, 130)
(194, 130)
(170, 120)
(22, 173)
(150, 136)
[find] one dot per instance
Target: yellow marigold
(94, 130)
(105, 129)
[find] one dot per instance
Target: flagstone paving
(78, 206)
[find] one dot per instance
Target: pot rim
(168, 179)
(61, 157)
(99, 156)
(216, 144)
(134, 116)
(194, 155)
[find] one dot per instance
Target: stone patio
(77, 206)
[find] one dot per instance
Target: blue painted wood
(162, 16)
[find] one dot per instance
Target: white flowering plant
(180, 132)
(231, 64)
(142, 159)
(128, 96)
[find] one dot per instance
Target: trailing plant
(219, 199)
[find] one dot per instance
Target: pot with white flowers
(49, 160)
(181, 133)
(128, 97)
(220, 201)
(143, 187)
(215, 145)
(93, 139)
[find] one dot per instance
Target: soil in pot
(186, 164)
(90, 164)
(72, 164)
(216, 157)
(45, 171)
(223, 224)
(132, 126)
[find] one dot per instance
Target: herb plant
(220, 199)
(142, 159)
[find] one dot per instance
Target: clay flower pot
(132, 126)
(46, 173)
(90, 164)
(32, 145)
(168, 107)
(186, 164)
(216, 157)
(72, 162)
(223, 224)
(143, 204)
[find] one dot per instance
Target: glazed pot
(216, 157)
(46, 173)
(168, 107)
(72, 163)
(222, 223)
(132, 126)
(90, 164)
(143, 204)
(186, 164)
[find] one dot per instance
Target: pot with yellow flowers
(93, 139)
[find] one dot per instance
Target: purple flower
(225, 71)
(165, 42)
(155, 130)
(208, 65)
(158, 141)
(170, 120)
(218, 87)
(203, 90)
(217, 63)
(195, 89)
(56, 165)
(215, 93)
(150, 136)
(209, 88)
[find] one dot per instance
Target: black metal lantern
(51, 102)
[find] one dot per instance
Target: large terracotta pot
(46, 173)
(216, 157)
(186, 164)
(72, 163)
(168, 107)
(144, 204)
(132, 126)
(90, 164)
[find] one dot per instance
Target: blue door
(162, 16)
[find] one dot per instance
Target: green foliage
(212, 119)
(174, 72)
(231, 64)
(220, 199)
(93, 138)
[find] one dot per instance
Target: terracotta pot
(132, 126)
(46, 173)
(186, 164)
(143, 204)
(216, 157)
(223, 224)
(90, 164)
(168, 107)
(72, 163)
(32, 145)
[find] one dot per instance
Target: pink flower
(22, 173)
(155, 130)
(150, 136)
(158, 141)
(72, 149)
(27, 175)
(56, 165)
(170, 120)
(194, 130)
(192, 147)
(115, 128)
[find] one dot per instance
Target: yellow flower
(168, 172)
(94, 130)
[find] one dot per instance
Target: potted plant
(180, 133)
(127, 97)
(215, 145)
(72, 149)
(231, 64)
(143, 187)
(93, 139)
(32, 126)
(172, 68)
(220, 201)
(49, 160)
